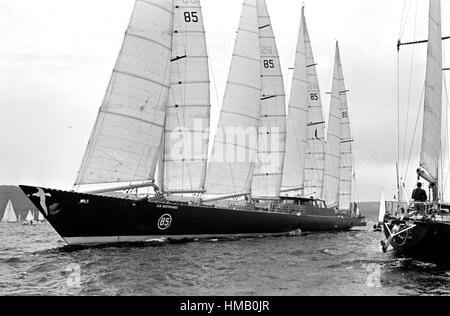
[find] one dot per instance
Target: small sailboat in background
(423, 230)
(10, 215)
(41, 218)
(381, 214)
(29, 220)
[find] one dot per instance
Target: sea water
(35, 261)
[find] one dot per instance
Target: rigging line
(409, 92)
(414, 135)
(405, 18)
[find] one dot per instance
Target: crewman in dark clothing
(419, 197)
(419, 194)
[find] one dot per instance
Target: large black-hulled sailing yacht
(153, 130)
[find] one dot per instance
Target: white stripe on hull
(74, 241)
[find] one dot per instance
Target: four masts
(154, 121)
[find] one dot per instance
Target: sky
(56, 58)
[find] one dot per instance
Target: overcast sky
(56, 58)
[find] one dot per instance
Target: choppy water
(34, 261)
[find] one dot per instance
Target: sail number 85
(191, 17)
(268, 63)
(164, 222)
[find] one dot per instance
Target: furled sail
(126, 139)
(272, 133)
(188, 111)
(297, 120)
(334, 139)
(315, 150)
(10, 215)
(230, 170)
(431, 140)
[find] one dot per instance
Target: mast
(297, 120)
(187, 124)
(431, 153)
(125, 142)
(272, 130)
(230, 169)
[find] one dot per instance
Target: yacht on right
(422, 229)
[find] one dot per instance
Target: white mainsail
(297, 120)
(315, 150)
(430, 159)
(333, 157)
(346, 173)
(10, 215)
(30, 216)
(272, 133)
(188, 111)
(230, 170)
(125, 142)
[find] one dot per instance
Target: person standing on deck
(419, 197)
(419, 194)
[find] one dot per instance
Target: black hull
(82, 219)
(427, 240)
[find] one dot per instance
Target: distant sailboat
(30, 216)
(10, 215)
(424, 229)
(41, 218)
(381, 214)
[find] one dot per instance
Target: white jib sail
(188, 111)
(431, 140)
(272, 133)
(126, 139)
(297, 120)
(230, 170)
(10, 215)
(315, 150)
(382, 211)
(334, 139)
